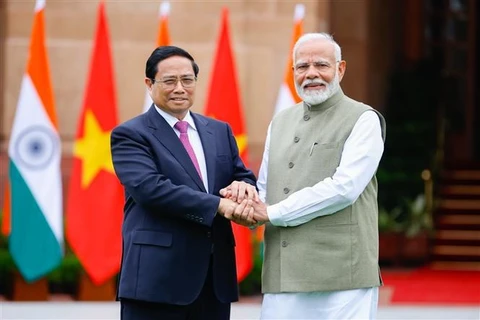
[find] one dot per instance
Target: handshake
(241, 204)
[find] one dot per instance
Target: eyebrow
(316, 61)
(181, 76)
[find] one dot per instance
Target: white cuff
(275, 216)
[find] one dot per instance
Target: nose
(312, 72)
(179, 87)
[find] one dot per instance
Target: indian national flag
(36, 238)
(163, 39)
(287, 96)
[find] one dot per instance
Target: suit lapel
(209, 148)
(166, 136)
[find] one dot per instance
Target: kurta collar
(330, 102)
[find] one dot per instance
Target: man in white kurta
(318, 71)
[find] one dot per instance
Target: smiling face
(317, 73)
(175, 100)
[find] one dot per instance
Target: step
(462, 165)
(456, 242)
(466, 251)
(469, 192)
(455, 265)
(457, 235)
(460, 219)
(459, 204)
(466, 175)
(443, 212)
(460, 190)
(458, 222)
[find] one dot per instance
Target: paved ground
(240, 311)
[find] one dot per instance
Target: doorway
(452, 41)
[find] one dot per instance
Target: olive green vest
(331, 252)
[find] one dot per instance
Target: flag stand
(88, 291)
(24, 291)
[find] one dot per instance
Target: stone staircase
(456, 242)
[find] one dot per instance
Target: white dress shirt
(359, 161)
(194, 139)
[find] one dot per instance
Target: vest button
(284, 243)
(290, 165)
(286, 190)
(306, 117)
(209, 234)
(296, 139)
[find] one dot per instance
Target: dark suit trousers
(205, 307)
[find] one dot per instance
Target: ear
(342, 66)
(148, 84)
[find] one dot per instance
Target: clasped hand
(241, 204)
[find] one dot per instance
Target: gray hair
(318, 36)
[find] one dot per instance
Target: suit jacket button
(290, 165)
(286, 190)
(296, 139)
(284, 243)
(306, 117)
(209, 234)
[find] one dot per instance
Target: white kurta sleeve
(262, 174)
(359, 161)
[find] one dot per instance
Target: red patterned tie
(182, 126)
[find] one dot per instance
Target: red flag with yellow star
(223, 103)
(95, 197)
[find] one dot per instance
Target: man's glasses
(171, 83)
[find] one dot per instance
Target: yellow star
(241, 139)
(241, 142)
(93, 149)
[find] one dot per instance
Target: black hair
(163, 52)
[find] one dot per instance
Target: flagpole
(287, 95)
(163, 39)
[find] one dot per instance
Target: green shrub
(65, 277)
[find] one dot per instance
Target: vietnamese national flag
(95, 197)
(223, 103)
(287, 96)
(163, 39)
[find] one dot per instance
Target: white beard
(314, 97)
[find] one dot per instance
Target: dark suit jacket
(170, 226)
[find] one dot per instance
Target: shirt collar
(171, 120)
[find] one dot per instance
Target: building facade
(260, 31)
(430, 45)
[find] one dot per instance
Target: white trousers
(334, 305)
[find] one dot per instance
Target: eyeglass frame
(177, 79)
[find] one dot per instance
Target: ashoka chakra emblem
(36, 147)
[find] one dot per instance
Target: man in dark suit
(178, 257)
